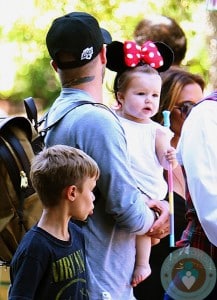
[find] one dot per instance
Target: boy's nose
(93, 197)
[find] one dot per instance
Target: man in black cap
(79, 36)
(76, 45)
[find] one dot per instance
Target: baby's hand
(170, 156)
(154, 241)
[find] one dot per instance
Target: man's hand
(161, 226)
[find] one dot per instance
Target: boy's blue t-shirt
(45, 267)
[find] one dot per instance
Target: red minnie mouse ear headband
(121, 56)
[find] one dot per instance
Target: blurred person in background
(199, 166)
(163, 29)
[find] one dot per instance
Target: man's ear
(53, 65)
(103, 55)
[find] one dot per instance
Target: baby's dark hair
(122, 79)
(57, 167)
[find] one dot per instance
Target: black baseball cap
(79, 34)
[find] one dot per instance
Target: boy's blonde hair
(57, 167)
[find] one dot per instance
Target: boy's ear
(70, 192)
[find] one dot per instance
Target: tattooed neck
(77, 81)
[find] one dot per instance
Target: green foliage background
(34, 76)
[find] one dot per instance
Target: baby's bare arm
(165, 152)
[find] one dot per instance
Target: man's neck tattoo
(76, 81)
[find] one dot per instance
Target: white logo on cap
(87, 53)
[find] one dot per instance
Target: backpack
(20, 207)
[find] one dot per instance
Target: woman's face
(190, 94)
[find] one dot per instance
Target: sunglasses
(185, 108)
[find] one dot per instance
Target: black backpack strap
(70, 108)
(31, 111)
(24, 161)
(63, 113)
(10, 164)
(14, 173)
(32, 114)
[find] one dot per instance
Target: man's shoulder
(95, 111)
